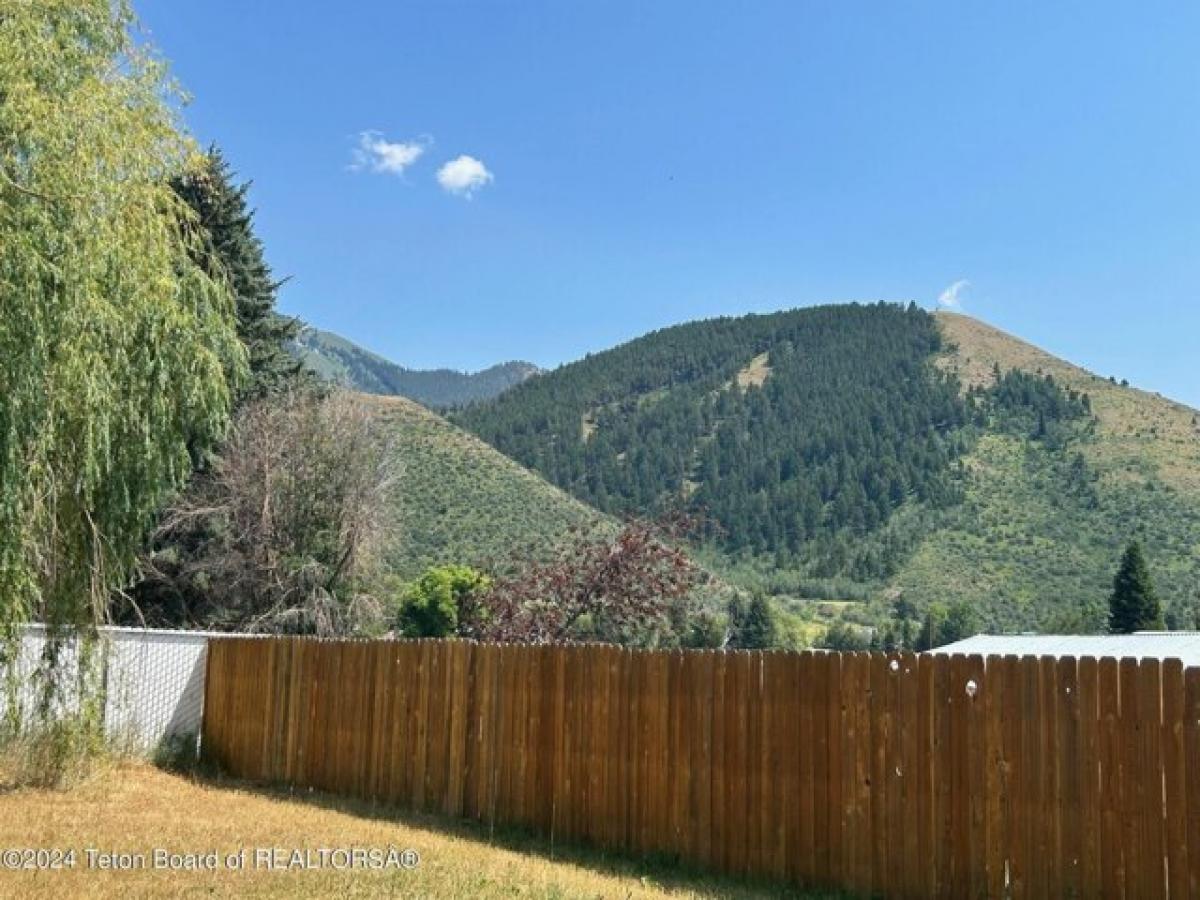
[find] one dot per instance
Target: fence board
(666, 773)
(926, 874)
(752, 796)
(908, 815)
(943, 775)
(852, 694)
(1150, 703)
(702, 665)
(802, 736)
(1090, 777)
(678, 754)
(1191, 747)
(1112, 801)
(817, 697)
(1012, 726)
(1070, 774)
(895, 774)
(1051, 797)
(783, 768)
(871, 784)
(1028, 881)
(995, 783)
(736, 802)
(875, 773)
(834, 731)
(1174, 778)
(958, 783)
(976, 761)
(1134, 789)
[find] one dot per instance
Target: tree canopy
(443, 602)
(120, 353)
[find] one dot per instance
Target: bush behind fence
(907, 775)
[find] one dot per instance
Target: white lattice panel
(154, 681)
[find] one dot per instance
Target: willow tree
(118, 354)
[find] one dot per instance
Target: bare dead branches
(288, 529)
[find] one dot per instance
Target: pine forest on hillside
(837, 458)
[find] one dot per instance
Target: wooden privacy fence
(902, 775)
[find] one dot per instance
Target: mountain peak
(336, 359)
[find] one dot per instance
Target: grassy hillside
(855, 457)
(338, 360)
(460, 501)
(1139, 435)
(1034, 544)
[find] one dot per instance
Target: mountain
(1038, 537)
(338, 360)
(862, 462)
(459, 501)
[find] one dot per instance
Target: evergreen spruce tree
(1133, 605)
(753, 625)
(229, 250)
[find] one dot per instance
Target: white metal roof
(1184, 645)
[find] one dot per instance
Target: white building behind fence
(1181, 645)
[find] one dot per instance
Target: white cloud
(376, 154)
(463, 175)
(951, 297)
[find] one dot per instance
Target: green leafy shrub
(442, 600)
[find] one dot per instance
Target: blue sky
(541, 180)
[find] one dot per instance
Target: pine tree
(230, 250)
(1133, 606)
(753, 625)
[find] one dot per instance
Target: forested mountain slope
(340, 361)
(876, 454)
(785, 428)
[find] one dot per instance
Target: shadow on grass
(653, 871)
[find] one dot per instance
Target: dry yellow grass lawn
(135, 808)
